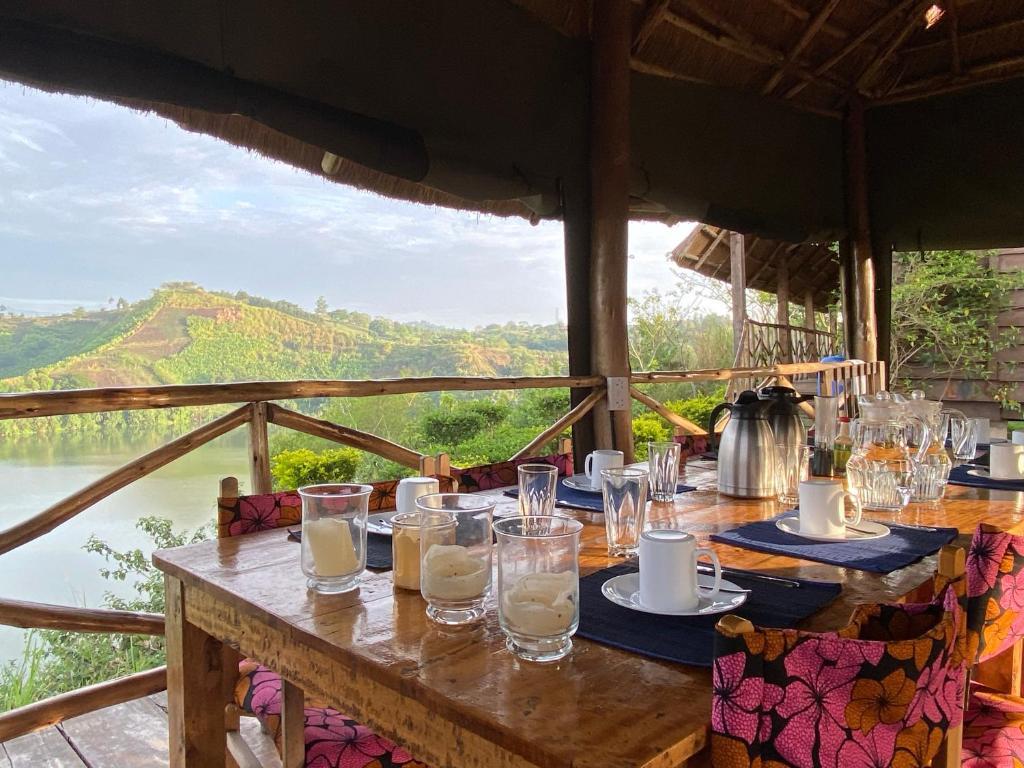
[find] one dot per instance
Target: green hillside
(184, 334)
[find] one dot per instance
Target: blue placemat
(689, 639)
(905, 545)
(959, 476)
(378, 549)
(594, 502)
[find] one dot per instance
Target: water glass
(663, 466)
(537, 484)
(969, 446)
(334, 535)
(405, 549)
(793, 466)
(538, 584)
(455, 555)
(625, 501)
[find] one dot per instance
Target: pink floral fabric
(332, 739)
(880, 692)
(993, 730)
(505, 473)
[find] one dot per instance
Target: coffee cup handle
(718, 572)
(857, 511)
(588, 466)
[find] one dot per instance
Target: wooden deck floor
(130, 735)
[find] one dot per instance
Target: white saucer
(873, 530)
(380, 523)
(579, 483)
(624, 590)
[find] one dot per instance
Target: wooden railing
(257, 412)
(769, 343)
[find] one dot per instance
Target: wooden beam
(574, 415)
(710, 249)
(978, 74)
(724, 374)
(106, 399)
(966, 37)
(41, 714)
(798, 11)
(670, 416)
(65, 509)
(259, 450)
(353, 438)
(809, 32)
(953, 22)
(855, 43)
(27, 615)
(910, 23)
(771, 259)
(609, 185)
(652, 18)
(865, 335)
(809, 311)
(738, 281)
(882, 256)
(782, 311)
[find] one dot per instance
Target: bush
(648, 428)
(697, 409)
(296, 468)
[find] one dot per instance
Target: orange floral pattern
(880, 692)
(487, 477)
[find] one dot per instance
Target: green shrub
(648, 428)
(299, 467)
(697, 409)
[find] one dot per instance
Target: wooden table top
(598, 707)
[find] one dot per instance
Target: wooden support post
(576, 235)
(738, 280)
(864, 321)
(782, 313)
(809, 323)
(293, 745)
(259, 450)
(609, 193)
(882, 252)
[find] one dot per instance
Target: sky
(97, 201)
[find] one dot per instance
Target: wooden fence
(256, 413)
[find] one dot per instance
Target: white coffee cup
(599, 461)
(410, 489)
(1006, 460)
(1017, 437)
(668, 571)
(823, 507)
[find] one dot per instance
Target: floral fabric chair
(994, 722)
(883, 691)
(332, 739)
(505, 473)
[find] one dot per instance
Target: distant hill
(184, 334)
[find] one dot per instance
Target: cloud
(99, 200)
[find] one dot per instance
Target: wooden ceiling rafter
(965, 36)
(797, 11)
(651, 21)
(977, 74)
(870, 73)
(953, 22)
(767, 263)
(710, 249)
(812, 29)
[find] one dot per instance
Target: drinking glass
(537, 483)
(455, 555)
(663, 466)
(538, 584)
(405, 549)
(333, 552)
(793, 465)
(625, 501)
(969, 445)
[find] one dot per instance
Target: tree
(321, 306)
(945, 307)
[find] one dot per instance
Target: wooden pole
(609, 192)
(259, 450)
(883, 298)
(559, 426)
(864, 320)
(782, 311)
(738, 280)
(809, 311)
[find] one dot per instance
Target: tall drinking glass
(969, 445)
(537, 484)
(625, 500)
(794, 465)
(334, 535)
(455, 555)
(663, 466)
(538, 584)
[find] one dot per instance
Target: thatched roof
(813, 267)
(482, 104)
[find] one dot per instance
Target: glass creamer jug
(884, 459)
(935, 463)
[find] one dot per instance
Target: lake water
(40, 471)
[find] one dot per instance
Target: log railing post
(259, 450)
(782, 312)
(738, 281)
(609, 193)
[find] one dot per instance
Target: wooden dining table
(456, 696)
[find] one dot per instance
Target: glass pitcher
(884, 461)
(935, 464)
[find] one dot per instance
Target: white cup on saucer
(410, 489)
(668, 571)
(597, 462)
(1006, 460)
(823, 507)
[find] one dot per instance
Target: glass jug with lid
(884, 460)
(932, 475)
